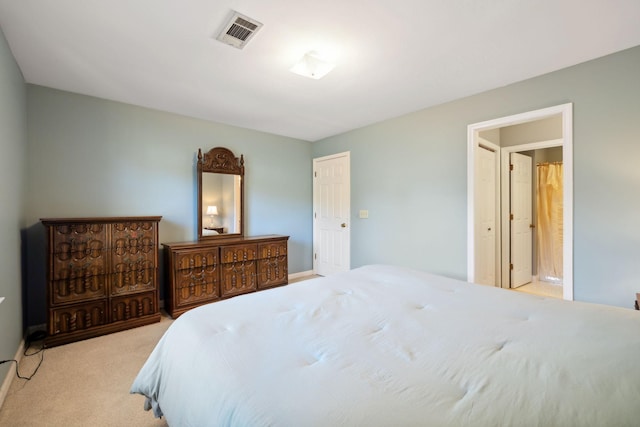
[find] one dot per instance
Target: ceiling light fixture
(313, 66)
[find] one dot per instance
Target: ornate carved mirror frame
(221, 161)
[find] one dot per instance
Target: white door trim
(473, 130)
(347, 254)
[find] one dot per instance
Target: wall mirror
(220, 194)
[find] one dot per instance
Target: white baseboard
(6, 384)
(300, 274)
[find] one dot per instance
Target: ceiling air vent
(239, 30)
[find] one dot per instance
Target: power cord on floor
(37, 336)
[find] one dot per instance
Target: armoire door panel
(77, 239)
(133, 278)
(77, 289)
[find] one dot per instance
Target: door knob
(343, 225)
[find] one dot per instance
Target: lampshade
(212, 210)
(311, 65)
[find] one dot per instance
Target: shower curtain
(549, 213)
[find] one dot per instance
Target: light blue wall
(93, 157)
(410, 173)
(13, 141)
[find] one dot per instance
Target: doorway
(521, 259)
(478, 134)
(331, 214)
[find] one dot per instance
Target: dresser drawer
(277, 248)
(194, 286)
(196, 259)
(239, 253)
(238, 278)
(272, 272)
(77, 317)
(133, 306)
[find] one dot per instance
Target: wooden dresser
(209, 270)
(101, 276)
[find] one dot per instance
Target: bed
(389, 346)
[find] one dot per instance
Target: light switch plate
(364, 214)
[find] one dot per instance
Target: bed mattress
(389, 346)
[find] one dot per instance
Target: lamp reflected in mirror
(211, 212)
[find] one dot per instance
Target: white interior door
(331, 214)
(486, 212)
(521, 219)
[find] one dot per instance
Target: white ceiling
(393, 57)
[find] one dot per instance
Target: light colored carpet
(85, 383)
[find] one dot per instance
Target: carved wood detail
(221, 160)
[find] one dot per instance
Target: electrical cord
(33, 337)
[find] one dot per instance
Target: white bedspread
(386, 346)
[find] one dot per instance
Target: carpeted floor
(85, 383)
